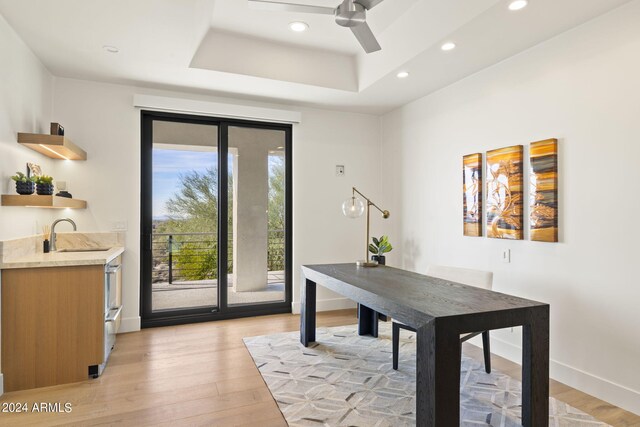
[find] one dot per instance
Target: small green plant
(380, 246)
(20, 177)
(44, 179)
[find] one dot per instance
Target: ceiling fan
(349, 13)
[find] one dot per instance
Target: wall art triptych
(505, 192)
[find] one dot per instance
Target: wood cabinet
(52, 325)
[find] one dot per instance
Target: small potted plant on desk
(44, 185)
(24, 185)
(379, 247)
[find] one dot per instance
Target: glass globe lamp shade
(353, 207)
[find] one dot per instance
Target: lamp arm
(369, 202)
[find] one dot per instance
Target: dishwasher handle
(112, 269)
(112, 317)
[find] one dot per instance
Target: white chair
(477, 278)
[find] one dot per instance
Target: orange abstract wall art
(472, 194)
(543, 190)
(504, 193)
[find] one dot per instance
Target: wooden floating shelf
(36, 201)
(53, 146)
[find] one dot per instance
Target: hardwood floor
(202, 374)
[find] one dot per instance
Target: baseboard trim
(130, 324)
(616, 394)
(327, 305)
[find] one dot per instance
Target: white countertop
(63, 259)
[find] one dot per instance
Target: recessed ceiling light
(402, 75)
(111, 49)
(299, 26)
(448, 46)
(518, 4)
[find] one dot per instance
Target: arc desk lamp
(353, 208)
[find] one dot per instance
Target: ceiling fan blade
(368, 4)
(366, 38)
(290, 7)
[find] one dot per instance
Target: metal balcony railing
(194, 256)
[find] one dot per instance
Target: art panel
(472, 194)
(543, 190)
(504, 193)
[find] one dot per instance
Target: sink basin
(83, 250)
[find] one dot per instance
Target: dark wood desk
(440, 311)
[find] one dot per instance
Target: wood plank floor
(202, 374)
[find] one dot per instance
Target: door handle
(147, 241)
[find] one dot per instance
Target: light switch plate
(506, 256)
(339, 170)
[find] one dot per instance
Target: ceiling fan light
(518, 4)
(298, 26)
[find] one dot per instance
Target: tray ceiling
(224, 47)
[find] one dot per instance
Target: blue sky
(167, 167)
(169, 164)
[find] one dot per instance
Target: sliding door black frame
(223, 310)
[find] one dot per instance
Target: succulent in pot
(44, 185)
(379, 247)
(24, 184)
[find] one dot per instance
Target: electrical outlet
(339, 170)
(506, 256)
(119, 226)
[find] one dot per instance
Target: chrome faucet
(53, 231)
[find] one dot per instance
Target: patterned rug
(347, 380)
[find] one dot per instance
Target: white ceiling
(238, 16)
(224, 47)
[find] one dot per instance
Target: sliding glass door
(216, 209)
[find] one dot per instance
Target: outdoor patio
(198, 293)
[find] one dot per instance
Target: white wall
(322, 234)
(102, 120)
(25, 106)
(583, 88)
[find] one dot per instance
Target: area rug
(347, 380)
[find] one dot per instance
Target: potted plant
(24, 184)
(379, 247)
(44, 185)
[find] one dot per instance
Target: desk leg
(367, 321)
(535, 370)
(308, 313)
(438, 377)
